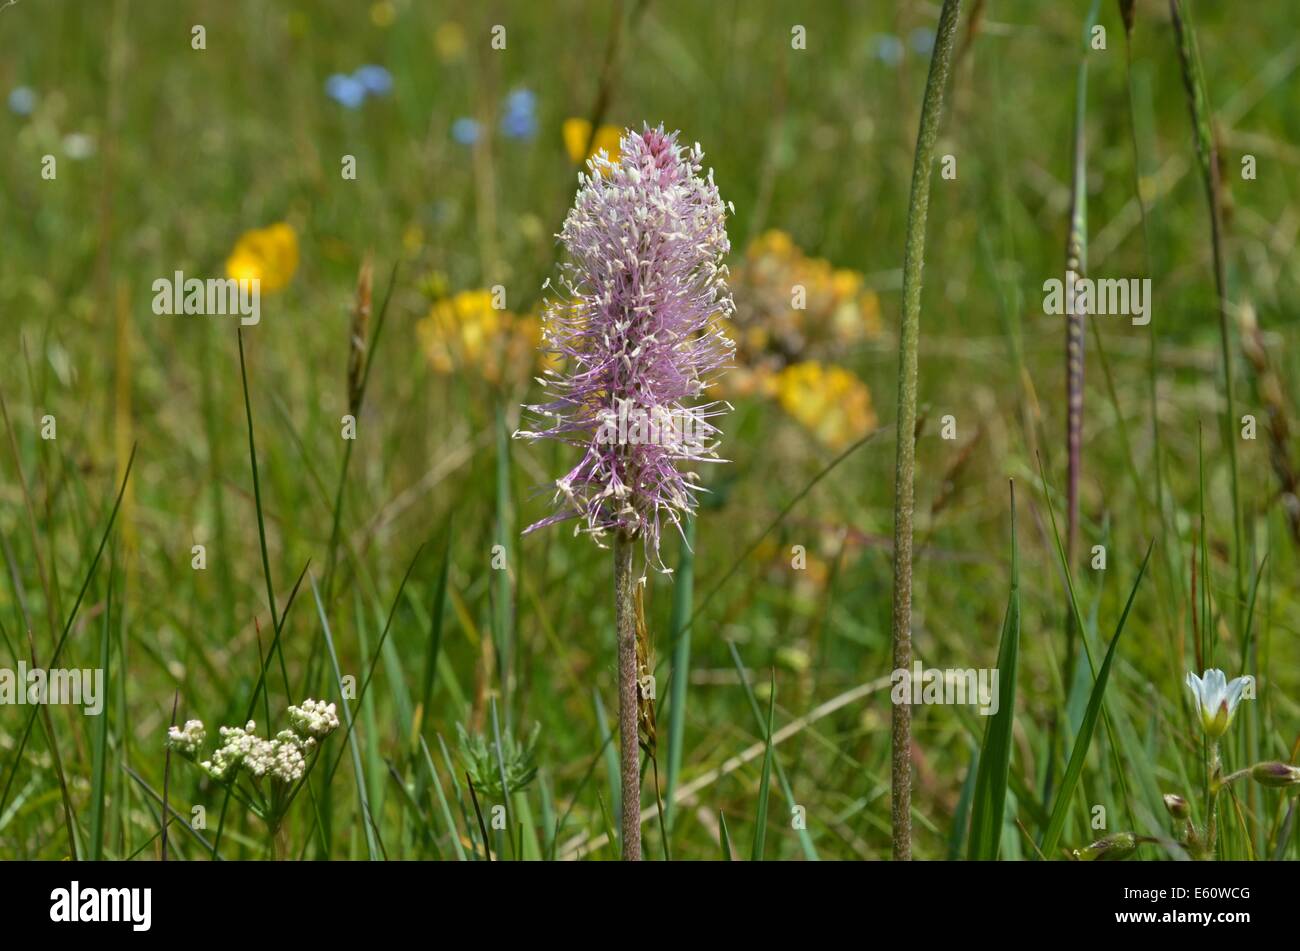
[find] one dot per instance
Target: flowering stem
(628, 724)
(1212, 803)
(275, 841)
(913, 263)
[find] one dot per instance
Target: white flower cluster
(283, 758)
(238, 745)
(314, 718)
(188, 739)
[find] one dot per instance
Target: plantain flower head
(1217, 699)
(638, 333)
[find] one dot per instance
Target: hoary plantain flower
(638, 335)
(1217, 699)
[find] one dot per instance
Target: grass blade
(443, 806)
(683, 595)
(810, 852)
(372, 846)
(1081, 743)
(995, 755)
(436, 612)
(765, 785)
(67, 629)
(100, 750)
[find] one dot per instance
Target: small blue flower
(345, 90)
(22, 100)
(521, 100)
(921, 40)
(375, 80)
(519, 121)
(465, 130)
(887, 48)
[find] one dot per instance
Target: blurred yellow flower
(412, 239)
(269, 255)
(449, 41)
(576, 133)
(466, 330)
(801, 302)
(773, 243)
(383, 13)
(828, 400)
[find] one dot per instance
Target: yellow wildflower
(466, 330)
(577, 131)
(269, 255)
(412, 239)
(795, 307)
(449, 41)
(827, 400)
(774, 243)
(383, 13)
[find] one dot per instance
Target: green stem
(1207, 154)
(905, 464)
(628, 706)
(1212, 801)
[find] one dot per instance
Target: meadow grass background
(191, 148)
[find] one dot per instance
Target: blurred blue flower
(345, 90)
(519, 121)
(921, 40)
(887, 48)
(465, 130)
(375, 80)
(22, 100)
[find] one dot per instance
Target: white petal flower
(1217, 699)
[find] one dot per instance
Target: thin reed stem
(628, 707)
(905, 464)
(1207, 154)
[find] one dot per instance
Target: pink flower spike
(639, 335)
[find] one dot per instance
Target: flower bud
(1177, 806)
(1275, 774)
(1112, 848)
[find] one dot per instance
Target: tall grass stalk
(1076, 262)
(360, 362)
(905, 464)
(12, 767)
(1207, 154)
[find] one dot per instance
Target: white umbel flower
(187, 740)
(1217, 699)
(260, 758)
(237, 745)
(314, 718)
(289, 762)
(283, 759)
